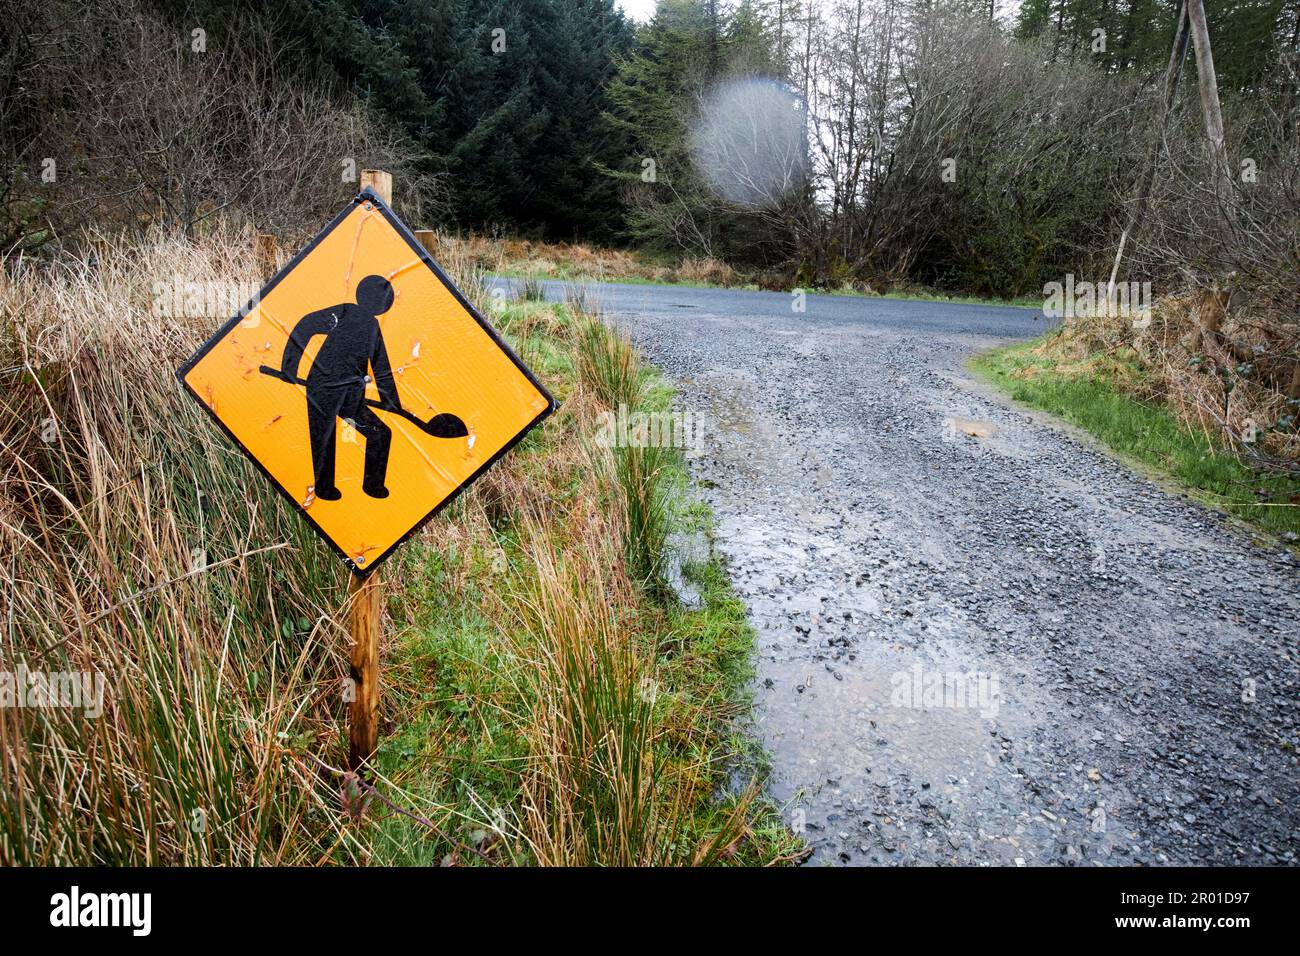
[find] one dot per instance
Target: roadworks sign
(365, 386)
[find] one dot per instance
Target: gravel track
(893, 525)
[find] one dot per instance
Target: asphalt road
(980, 639)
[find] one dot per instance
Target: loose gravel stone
(893, 523)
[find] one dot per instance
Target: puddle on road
(730, 401)
(886, 737)
(860, 593)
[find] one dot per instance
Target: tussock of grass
(1098, 392)
(639, 474)
(609, 368)
(531, 289)
(608, 365)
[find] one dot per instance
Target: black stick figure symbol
(352, 356)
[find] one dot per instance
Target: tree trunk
(1172, 74)
(1209, 85)
(1208, 80)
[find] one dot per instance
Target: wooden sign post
(370, 392)
(366, 610)
(365, 625)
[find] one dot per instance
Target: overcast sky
(638, 9)
(641, 10)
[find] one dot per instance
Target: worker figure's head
(375, 294)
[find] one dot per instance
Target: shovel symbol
(445, 425)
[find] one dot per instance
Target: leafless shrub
(133, 127)
(1250, 228)
(1001, 167)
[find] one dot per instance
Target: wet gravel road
(981, 640)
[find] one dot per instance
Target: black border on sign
(368, 195)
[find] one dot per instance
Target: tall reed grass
(531, 289)
(137, 543)
(640, 473)
(608, 364)
(596, 789)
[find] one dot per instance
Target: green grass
(1146, 435)
(531, 289)
(456, 745)
(609, 365)
(468, 699)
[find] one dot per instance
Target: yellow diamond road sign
(365, 385)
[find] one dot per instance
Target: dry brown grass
(1218, 370)
(137, 543)
(563, 260)
(706, 271)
